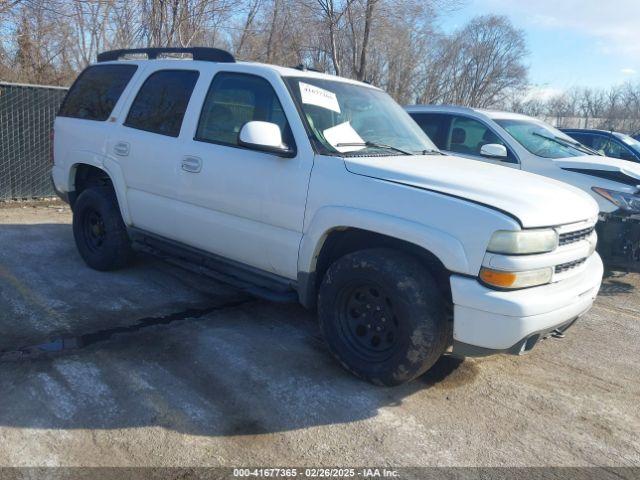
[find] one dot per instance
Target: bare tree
(478, 65)
(7, 5)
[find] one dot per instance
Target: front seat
(487, 138)
(458, 137)
(219, 124)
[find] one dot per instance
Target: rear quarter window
(96, 91)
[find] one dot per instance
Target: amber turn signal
(513, 280)
(498, 278)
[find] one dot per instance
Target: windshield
(348, 119)
(630, 142)
(541, 139)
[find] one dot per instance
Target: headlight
(628, 202)
(514, 280)
(523, 241)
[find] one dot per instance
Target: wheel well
(88, 176)
(344, 241)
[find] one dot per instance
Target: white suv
(299, 184)
(521, 142)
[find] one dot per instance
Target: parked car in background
(305, 186)
(521, 142)
(610, 144)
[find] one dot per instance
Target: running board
(253, 281)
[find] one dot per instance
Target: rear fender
(113, 170)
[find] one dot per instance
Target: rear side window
(583, 138)
(162, 101)
(436, 126)
(96, 91)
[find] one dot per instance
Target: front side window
(96, 91)
(631, 143)
(349, 119)
(468, 136)
(235, 99)
(162, 102)
(543, 140)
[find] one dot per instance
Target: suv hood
(614, 169)
(534, 200)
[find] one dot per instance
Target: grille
(569, 265)
(572, 237)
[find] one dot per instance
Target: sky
(585, 43)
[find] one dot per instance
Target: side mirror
(494, 150)
(264, 136)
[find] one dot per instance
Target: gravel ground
(227, 380)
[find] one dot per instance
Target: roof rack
(304, 68)
(197, 53)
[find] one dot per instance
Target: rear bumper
(58, 181)
(64, 196)
(488, 321)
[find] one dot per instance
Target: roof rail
(197, 53)
(304, 68)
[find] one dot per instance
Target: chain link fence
(26, 119)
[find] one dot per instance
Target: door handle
(121, 149)
(192, 164)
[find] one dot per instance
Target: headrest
(458, 135)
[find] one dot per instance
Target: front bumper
(488, 321)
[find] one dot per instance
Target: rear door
(147, 146)
(435, 125)
(585, 139)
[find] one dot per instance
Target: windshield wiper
(374, 145)
(565, 143)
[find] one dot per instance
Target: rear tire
(100, 234)
(383, 316)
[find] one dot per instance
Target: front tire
(383, 316)
(100, 234)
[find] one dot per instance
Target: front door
(467, 136)
(244, 204)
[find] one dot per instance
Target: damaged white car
(525, 143)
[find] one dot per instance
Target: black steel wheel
(382, 315)
(367, 321)
(100, 234)
(93, 229)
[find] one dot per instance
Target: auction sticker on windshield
(319, 96)
(343, 133)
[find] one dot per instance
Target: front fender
(447, 248)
